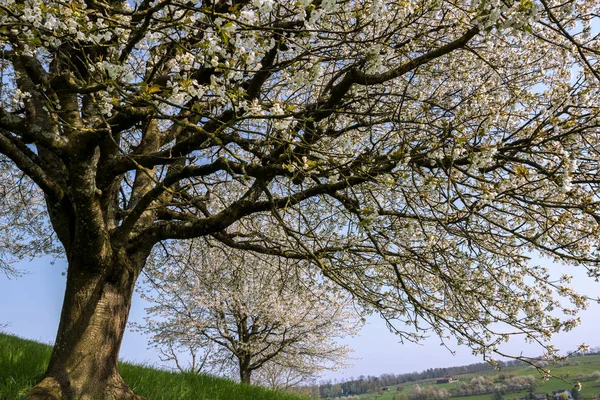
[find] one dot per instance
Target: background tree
(282, 377)
(428, 393)
(26, 231)
(254, 312)
(498, 395)
(413, 151)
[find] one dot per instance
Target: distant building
(558, 394)
(446, 379)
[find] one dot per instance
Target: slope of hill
(22, 363)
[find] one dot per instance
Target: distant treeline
(365, 384)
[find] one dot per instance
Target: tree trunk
(245, 371)
(83, 364)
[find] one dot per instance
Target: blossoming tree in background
(411, 151)
(244, 312)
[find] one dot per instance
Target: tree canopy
(414, 151)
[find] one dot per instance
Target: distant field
(566, 378)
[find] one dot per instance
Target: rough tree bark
(102, 271)
(83, 364)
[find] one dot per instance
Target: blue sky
(31, 306)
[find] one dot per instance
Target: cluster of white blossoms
(507, 14)
(113, 71)
(18, 99)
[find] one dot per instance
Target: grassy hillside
(566, 377)
(22, 363)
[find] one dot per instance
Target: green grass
(23, 362)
